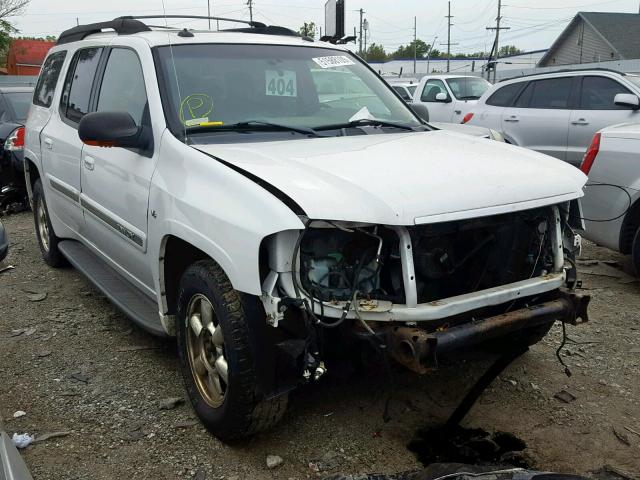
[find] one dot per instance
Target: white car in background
(449, 97)
(405, 90)
(558, 113)
(610, 205)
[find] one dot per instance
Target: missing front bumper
(418, 350)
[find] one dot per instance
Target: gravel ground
(76, 365)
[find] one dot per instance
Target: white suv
(558, 113)
(449, 97)
(205, 185)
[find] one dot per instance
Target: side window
(432, 88)
(598, 94)
(525, 97)
(552, 93)
(46, 86)
(505, 95)
(78, 84)
(122, 88)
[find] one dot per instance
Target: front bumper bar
(418, 350)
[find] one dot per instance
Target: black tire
(48, 247)
(635, 252)
(243, 410)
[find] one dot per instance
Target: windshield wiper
(367, 122)
(469, 97)
(251, 125)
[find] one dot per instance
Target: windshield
(20, 102)
(468, 88)
(412, 89)
(218, 85)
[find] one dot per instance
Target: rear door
(116, 181)
(539, 118)
(595, 111)
(489, 113)
(61, 146)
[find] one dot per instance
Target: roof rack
(128, 25)
(564, 70)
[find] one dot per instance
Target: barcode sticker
(333, 61)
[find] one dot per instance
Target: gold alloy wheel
(205, 348)
(43, 226)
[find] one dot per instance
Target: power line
(496, 46)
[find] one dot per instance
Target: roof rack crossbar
(196, 17)
(564, 70)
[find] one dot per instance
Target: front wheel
(635, 252)
(216, 356)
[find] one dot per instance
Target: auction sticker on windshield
(333, 61)
(281, 83)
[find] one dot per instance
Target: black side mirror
(111, 129)
(4, 243)
(421, 111)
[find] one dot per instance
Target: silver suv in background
(558, 113)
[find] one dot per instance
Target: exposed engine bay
(454, 258)
(422, 289)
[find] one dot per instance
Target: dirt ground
(74, 364)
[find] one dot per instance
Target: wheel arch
(31, 175)
(629, 227)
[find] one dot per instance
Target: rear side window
(550, 94)
(78, 84)
(20, 103)
(598, 94)
(505, 95)
(122, 88)
(46, 86)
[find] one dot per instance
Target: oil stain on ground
(468, 445)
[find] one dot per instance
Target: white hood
(403, 179)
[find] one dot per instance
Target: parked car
(610, 205)
(212, 192)
(14, 106)
(449, 97)
(558, 113)
(4, 243)
(405, 90)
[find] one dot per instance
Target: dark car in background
(14, 107)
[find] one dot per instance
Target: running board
(132, 301)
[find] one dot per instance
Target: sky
(533, 25)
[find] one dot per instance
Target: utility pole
(415, 43)
(496, 45)
(429, 53)
(449, 25)
(209, 12)
(250, 3)
(360, 48)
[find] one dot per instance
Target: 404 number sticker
(281, 83)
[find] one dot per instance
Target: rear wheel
(216, 357)
(47, 239)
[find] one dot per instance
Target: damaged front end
(425, 290)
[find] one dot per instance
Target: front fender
(214, 208)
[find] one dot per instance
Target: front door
(439, 110)
(115, 181)
(596, 110)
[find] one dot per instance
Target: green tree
(509, 50)
(308, 29)
(421, 49)
(9, 8)
(376, 53)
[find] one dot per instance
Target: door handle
(580, 121)
(89, 163)
(49, 143)
(458, 112)
(512, 118)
